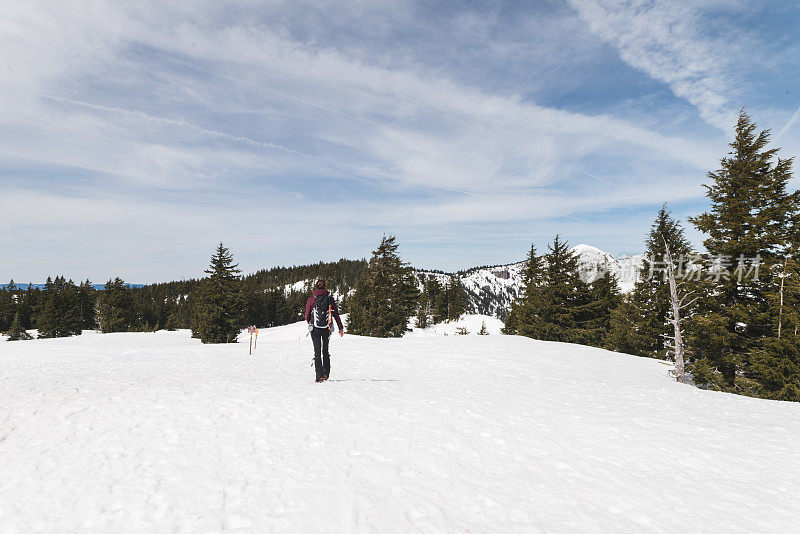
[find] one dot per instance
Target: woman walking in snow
(321, 310)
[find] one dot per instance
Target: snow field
(156, 432)
(450, 328)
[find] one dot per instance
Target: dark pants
(322, 358)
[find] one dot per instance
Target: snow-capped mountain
(491, 290)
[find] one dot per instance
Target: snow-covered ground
(156, 432)
(471, 324)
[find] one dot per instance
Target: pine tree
(750, 214)
(423, 311)
(594, 316)
(385, 297)
(17, 332)
(87, 298)
(776, 366)
(776, 363)
(46, 310)
(71, 309)
(58, 309)
(523, 317)
(27, 303)
(457, 296)
(218, 310)
(483, 331)
(625, 329)
(427, 312)
(115, 308)
(8, 305)
(451, 301)
(510, 322)
(563, 297)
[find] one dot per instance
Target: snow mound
(153, 432)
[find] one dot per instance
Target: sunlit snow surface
(156, 432)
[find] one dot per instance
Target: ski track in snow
(156, 432)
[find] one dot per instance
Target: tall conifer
(750, 213)
(522, 318)
(386, 296)
(217, 310)
(562, 297)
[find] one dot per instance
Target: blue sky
(134, 138)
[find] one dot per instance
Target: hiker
(321, 310)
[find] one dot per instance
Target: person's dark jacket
(334, 308)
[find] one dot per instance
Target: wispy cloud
(791, 122)
(668, 41)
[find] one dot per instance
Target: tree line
(62, 308)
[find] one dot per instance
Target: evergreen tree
(776, 366)
(87, 299)
(457, 297)
(483, 331)
(59, 309)
(423, 311)
(563, 298)
(426, 311)
(451, 301)
(8, 305)
(594, 317)
(751, 212)
(523, 317)
(27, 303)
(115, 309)
(17, 331)
(386, 297)
(46, 310)
(625, 332)
(510, 322)
(218, 310)
(776, 363)
(72, 308)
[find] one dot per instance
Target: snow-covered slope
(156, 432)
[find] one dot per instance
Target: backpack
(321, 312)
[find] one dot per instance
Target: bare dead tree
(678, 302)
